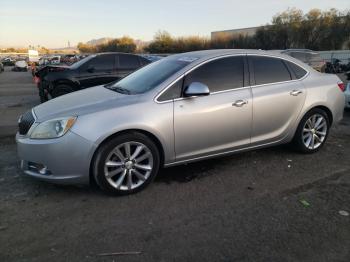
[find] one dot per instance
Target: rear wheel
(312, 131)
(61, 90)
(126, 164)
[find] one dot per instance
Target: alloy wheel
(128, 165)
(314, 131)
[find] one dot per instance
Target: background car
(307, 56)
(98, 69)
(20, 66)
(2, 69)
(8, 61)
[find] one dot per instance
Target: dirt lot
(246, 207)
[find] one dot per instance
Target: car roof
(200, 56)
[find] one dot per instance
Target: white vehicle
(20, 66)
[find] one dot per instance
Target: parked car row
(97, 69)
(179, 109)
(308, 57)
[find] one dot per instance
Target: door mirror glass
(196, 89)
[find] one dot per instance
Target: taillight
(341, 86)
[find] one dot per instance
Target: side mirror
(196, 89)
(90, 69)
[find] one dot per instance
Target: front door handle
(296, 92)
(239, 103)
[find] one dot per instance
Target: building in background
(248, 31)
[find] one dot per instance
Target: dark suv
(98, 69)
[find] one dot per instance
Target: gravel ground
(266, 205)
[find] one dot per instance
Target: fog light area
(39, 168)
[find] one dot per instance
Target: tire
(312, 131)
(126, 173)
(42, 94)
(61, 90)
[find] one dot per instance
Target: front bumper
(67, 158)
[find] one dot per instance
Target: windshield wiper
(119, 89)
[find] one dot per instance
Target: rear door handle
(239, 103)
(296, 92)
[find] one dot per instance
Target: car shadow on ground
(197, 170)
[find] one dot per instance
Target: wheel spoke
(313, 121)
(312, 144)
(127, 150)
(307, 135)
(120, 180)
(317, 138)
(137, 152)
(318, 122)
(129, 182)
(139, 175)
(320, 133)
(320, 125)
(308, 141)
(143, 167)
(114, 164)
(309, 123)
(114, 172)
(119, 154)
(143, 157)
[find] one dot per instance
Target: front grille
(25, 122)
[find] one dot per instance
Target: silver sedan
(183, 108)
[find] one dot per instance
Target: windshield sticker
(187, 59)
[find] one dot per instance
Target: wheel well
(328, 112)
(65, 82)
(146, 133)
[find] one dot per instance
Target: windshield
(149, 76)
(82, 61)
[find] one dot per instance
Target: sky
(53, 23)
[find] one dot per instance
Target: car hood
(78, 103)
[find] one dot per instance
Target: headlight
(53, 128)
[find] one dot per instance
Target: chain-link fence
(331, 56)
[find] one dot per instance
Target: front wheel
(312, 131)
(61, 90)
(126, 164)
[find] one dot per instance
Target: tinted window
(144, 61)
(150, 76)
(102, 62)
(82, 62)
(128, 62)
(299, 55)
(297, 70)
(219, 75)
(172, 92)
(269, 70)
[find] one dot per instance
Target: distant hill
(99, 41)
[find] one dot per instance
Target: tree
(162, 43)
(85, 48)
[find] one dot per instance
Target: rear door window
(269, 70)
(297, 70)
(102, 62)
(131, 62)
